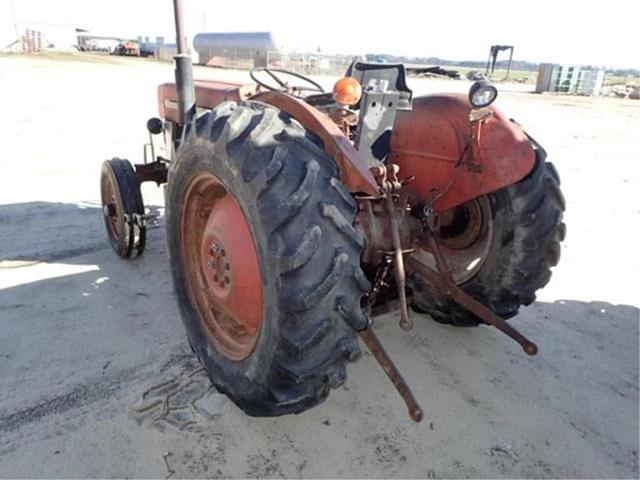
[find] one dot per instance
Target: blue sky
(581, 32)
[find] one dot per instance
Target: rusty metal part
(354, 170)
(429, 141)
(112, 207)
(152, 172)
(372, 220)
(346, 119)
(398, 263)
(465, 234)
(475, 159)
(444, 282)
(378, 283)
(461, 226)
(377, 350)
(480, 114)
(387, 177)
(208, 94)
(221, 266)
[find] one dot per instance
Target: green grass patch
(612, 80)
(499, 75)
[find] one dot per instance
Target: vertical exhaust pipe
(183, 70)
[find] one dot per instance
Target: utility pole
(15, 22)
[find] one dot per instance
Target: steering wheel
(276, 73)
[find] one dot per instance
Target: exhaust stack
(183, 70)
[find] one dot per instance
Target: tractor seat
(208, 95)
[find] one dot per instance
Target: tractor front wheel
(122, 208)
(265, 259)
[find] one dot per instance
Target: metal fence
(317, 64)
(305, 64)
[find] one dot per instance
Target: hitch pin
(377, 350)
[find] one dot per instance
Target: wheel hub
(465, 237)
(109, 210)
(110, 207)
(219, 268)
(222, 267)
(216, 266)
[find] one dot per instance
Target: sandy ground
(97, 380)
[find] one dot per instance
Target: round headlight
(482, 94)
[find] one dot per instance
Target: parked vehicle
(295, 216)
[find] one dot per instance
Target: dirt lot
(97, 380)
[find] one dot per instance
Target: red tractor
(295, 216)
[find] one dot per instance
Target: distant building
(150, 48)
(236, 49)
(590, 82)
(166, 51)
(32, 37)
(569, 79)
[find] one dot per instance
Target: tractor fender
(432, 139)
(354, 170)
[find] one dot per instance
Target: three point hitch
(440, 278)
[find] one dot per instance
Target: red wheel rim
(111, 207)
(221, 266)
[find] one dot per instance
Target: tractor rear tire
(300, 218)
(528, 229)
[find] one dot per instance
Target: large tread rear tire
(301, 217)
(527, 221)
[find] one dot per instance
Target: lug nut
(215, 249)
